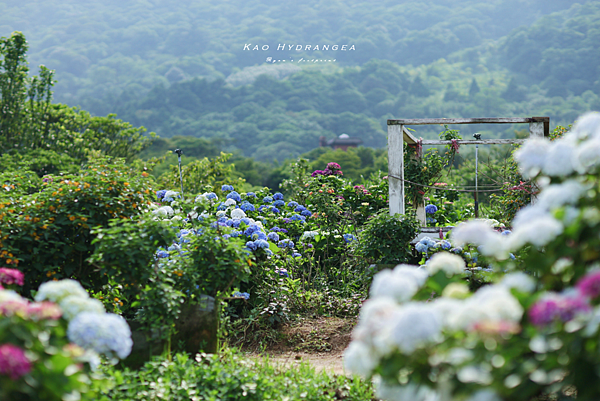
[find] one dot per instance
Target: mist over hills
(180, 68)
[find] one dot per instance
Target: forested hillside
(104, 50)
(180, 68)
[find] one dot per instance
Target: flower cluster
(104, 333)
(331, 169)
(13, 361)
(10, 276)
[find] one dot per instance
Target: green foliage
(229, 377)
(48, 234)
(386, 239)
(426, 169)
(199, 174)
(29, 121)
(214, 264)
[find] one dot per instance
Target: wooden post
(396, 168)
(419, 207)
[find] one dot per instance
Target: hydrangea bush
(50, 347)
(534, 330)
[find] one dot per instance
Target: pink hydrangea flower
(589, 285)
(13, 361)
(555, 307)
(11, 276)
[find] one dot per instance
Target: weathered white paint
(396, 168)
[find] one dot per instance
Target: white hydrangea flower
(104, 333)
(176, 218)
(230, 202)
(375, 309)
(237, 214)
(484, 395)
(560, 159)
(557, 195)
(480, 233)
(388, 283)
(518, 280)
(471, 232)
(418, 274)
(164, 211)
(170, 194)
(449, 263)
(414, 325)
(409, 392)
(309, 235)
(532, 156)
(492, 303)
(587, 126)
(219, 214)
(456, 290)
(539, 232)
(527, 214)
(56, 291)
(74, 305)
(587, 155)
(10, 296)
(359, 359)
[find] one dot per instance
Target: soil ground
(319, 341)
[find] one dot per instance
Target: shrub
(386, 239)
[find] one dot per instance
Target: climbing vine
(428, 169)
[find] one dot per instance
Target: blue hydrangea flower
(245, 220)
(349, 238)
(457, 249)
(105, 333)
(210, 195)
(251, 245)
(306, 213)
(285, 243)
(261, 243)
(247, 207)
(273, 236)
(299, 209)
(421, 247)
(161, 194)
(226, 236)
(259, 235)
(506, 232)
(431, 209)
(162, 254)
(235, 196)
(244, 295)
(297, 217)
(296, 255)
(445, 244)
(267, 199)
(274, 210)
(279, 203)
(251, 194)
(269, 252)
(282, 272)
(221, 206)
(226, 188)
(512, 256)
(275, 229)
(431, 220)
(293, 204)
(278, 196)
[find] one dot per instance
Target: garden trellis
(398, 134)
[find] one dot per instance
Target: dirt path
(320, 341)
